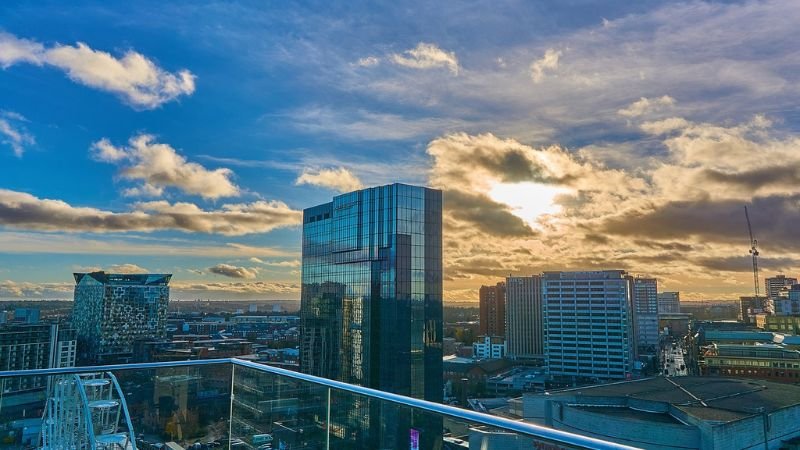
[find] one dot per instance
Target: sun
(528, 201)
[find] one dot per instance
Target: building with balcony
(371, 299)
(39, 346)
(113, 311)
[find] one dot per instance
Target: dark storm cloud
(484, 213)
(744, 263)
(776, 219)
(773, 176)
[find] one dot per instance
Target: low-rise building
(772, 362)
(783, 324)
(489, 347)
(673, 413)
(516, 381)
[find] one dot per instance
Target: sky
(187, 137)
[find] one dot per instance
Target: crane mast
(753, 251)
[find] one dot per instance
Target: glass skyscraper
(371, 302)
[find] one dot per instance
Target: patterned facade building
(371, 303)
(114, 311)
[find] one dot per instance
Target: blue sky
(186, 137)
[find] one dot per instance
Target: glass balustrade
(235, 404)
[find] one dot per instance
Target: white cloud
(126, 268)
(664, 126)
(645, 105)
(369, 61)
(22, 210)
(23, 289)
(45, 242)
(14, 50)
(548, 62)
(14, 134)
(160, 166)
(427, 56)
(252, 287)
(133, 77)
(230, 271)
(340, 179)
(293, 263)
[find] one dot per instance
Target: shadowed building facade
(493, 310)
(371, 304)
(524, 318)
(113, 311)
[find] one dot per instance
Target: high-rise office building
(645, 307)
(524, 317)
(371, 302)
(669, 302)
(493, 310)
(774, 285)
(113, 311)
(588, 324)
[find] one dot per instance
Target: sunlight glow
(528, 201)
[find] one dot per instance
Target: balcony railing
(237, 404)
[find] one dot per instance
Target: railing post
(230, 411)
(328, 423)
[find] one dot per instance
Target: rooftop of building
(706, 398)
(751, 336)
(129, 279)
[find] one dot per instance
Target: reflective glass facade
(371, 301)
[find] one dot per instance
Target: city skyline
(188, 138)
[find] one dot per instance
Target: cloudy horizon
(187, 138)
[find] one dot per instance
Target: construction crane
(753, 251)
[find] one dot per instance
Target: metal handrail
(534, 431)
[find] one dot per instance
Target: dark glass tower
(371, 302)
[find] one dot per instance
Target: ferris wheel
(87, 412)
